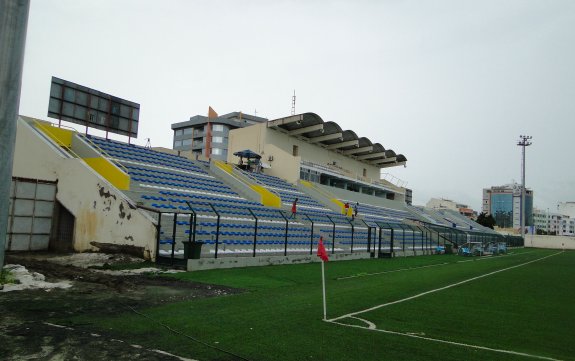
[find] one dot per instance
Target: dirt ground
(26, 332)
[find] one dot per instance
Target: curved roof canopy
(329, 135)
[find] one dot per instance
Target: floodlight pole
(13, 25)
(524, 141)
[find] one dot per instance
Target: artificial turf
(279, 316)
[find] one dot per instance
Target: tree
(486, 220)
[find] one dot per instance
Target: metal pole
(379, 241)
(368, 235)
(332, 235)
(311, 235)
(217, 229)
(255, 232)
(174, 229)
(158, 235)
(524, 141)
(352, 232)
(13, 24)
(286, 234)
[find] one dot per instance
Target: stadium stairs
(89, 188)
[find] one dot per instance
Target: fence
(184, 235)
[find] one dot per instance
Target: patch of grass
(6, 277)
(523, 309)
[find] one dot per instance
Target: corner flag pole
(321, 253)
(323, 284)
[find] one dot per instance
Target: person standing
(294, 208)
(355, 206)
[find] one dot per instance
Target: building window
(216, 151)
(218, 128)
(179, 132)
(217, 139)
(177, 143)
(188, 131)
(295, 151)
(186, 142)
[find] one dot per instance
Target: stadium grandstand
(173, 208)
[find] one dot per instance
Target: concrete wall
(246, 138)
(103, 214)
(553, 242)
(284, 165)
(270, 142)
(34, 156)
(235, 262)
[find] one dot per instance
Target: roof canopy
(329, 135)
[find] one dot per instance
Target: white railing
(387, 180)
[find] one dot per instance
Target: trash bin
(448, 249)
(193, 250)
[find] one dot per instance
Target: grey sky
(449, 84)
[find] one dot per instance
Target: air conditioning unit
(270, 158)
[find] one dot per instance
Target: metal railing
(103, 152)
(384, 182)
(220, 234)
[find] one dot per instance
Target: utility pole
(524, 141)
(13, 25)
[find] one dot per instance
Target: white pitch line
(440, 289)
(516, 353)
(432, 265)
(493, 257)
(392, 271)
(370, 325)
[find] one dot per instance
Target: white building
(555, 223)
(443, 203)
(566, 208)
(548, 222)
(567, 227)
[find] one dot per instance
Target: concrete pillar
(13, 24)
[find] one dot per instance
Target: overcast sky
(451, 84)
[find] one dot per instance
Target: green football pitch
(517, 306)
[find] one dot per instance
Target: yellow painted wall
(109, 171)
(226, 167)
(268, 198)
(62, 137)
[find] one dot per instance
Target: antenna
(293, 103)
(148, 144)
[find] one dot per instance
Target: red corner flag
(321, 253)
